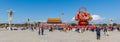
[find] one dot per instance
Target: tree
(73, 24)
(114, 24)
(104, 24)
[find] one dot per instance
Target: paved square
(56, 36)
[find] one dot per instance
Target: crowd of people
(98, 30)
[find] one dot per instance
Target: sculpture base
(83, 23)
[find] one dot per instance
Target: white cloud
(43, 21)
(97, 17)
(73, 19)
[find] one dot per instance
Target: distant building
(53, 22)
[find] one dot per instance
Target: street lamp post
(92, 23)
(28, 22)
(111, 22)
(10, 16)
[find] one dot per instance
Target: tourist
(68, 29)
(64, 29)
(60, 29)
(51, 29)
(118, 28)
(6, 27)
(92, 29)
(77, 30)
(98, 33)
(42, 31)
(39, 31)
(11, 28)
(35, 27)
(32, 28)
(105, 32)
(82, 30)
(111, 28)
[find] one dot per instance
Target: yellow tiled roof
(53, 20)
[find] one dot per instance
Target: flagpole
(62, 14)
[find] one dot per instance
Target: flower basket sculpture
(83, 17)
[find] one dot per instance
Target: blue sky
(41, 10)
